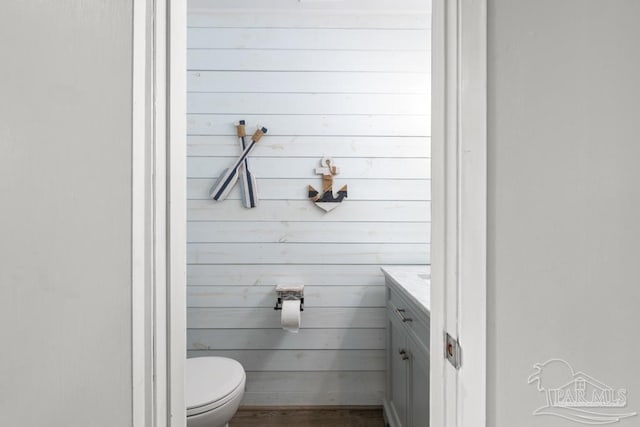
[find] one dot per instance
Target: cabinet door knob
(401, 312)
(403, 354)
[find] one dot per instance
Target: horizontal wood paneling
(261, 82)
(269, 275)
(265, 296)
(334, 39)
(266, 318)
(313, 125)
(278, 339)
(298, 210)
(305, 253)
(329, 388)
(302, 360)
(303, 167)
(248, 8)
(313, 146)
(308, 60)
(308, 103)
(311, 19)
(297, 189)
(305, 232)
(349, 80)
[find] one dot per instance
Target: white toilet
(214, 387)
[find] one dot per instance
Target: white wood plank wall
(348, 80)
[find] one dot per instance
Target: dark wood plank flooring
(308, 417)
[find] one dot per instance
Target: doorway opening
(458, 124)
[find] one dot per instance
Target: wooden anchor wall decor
(327, 200)
(240, 169)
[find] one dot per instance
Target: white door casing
(159, 213)
(459, 170)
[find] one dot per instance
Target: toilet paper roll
(290, 318)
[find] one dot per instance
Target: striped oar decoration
(229, 176)
(248, 187)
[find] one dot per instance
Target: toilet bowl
(214, 387)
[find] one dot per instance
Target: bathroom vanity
(406, 402)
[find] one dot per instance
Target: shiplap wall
(343, 79)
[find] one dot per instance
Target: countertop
(415, 281)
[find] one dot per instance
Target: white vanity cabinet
(407, 396)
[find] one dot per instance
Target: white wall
(564, 200)
(341, 79)
(65, 188)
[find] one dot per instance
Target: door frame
(459, 211)
(159, 197)
(459, 231)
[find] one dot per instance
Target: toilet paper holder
(289, 293)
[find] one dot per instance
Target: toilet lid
(210, 379)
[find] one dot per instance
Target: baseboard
(311, 408)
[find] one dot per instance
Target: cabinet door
(418, 393)
(397, 369)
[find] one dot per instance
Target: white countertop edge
(407, 280)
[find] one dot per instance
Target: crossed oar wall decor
(240, 169)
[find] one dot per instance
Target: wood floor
(308, 417)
